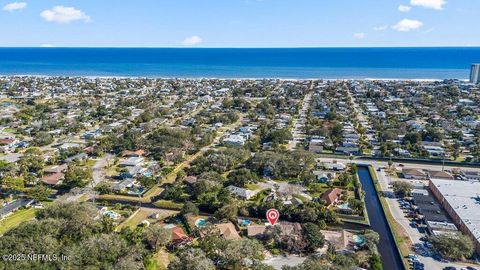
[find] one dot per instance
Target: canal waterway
(391, 259)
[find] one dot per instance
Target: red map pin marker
(272, 216)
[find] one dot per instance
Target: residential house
(228, 231)
(316, 145)
(440, 175)
(324, 176)
(67, 146)
(343, 241)
(124, 184)
(136, 153)
(77, 157)
(179, 238)
(331, 196)
(7, 144)
(412, 173)
(256, 230)
(132, 162)
(347, 150)
(235, 140)
(54, 175)
(11, 207)
(190, 180)
(335, 166)
(53, 179)
(243, 193)
(286, 228)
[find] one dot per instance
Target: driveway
(98, 168)
(278, 261)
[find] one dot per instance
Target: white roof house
(242, 192)
(234, 139)
(133, 161)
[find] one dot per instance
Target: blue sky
(239, 23)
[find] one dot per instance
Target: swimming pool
(344, 206)
(200, 223)
(245, 222)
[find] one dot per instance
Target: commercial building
(475, 73)
(461, 200)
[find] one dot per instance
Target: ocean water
(324, 63)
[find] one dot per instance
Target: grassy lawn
(162, 258)
(118, 197)
(9, 130)
(168, 205)
(253, 186)
(16, 219)
(90, 162)
(143, 214)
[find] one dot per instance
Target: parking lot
(422, 256)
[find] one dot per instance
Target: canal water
(391, 259)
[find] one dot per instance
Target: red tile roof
(178, 234)
(53, 179)
(331, 195)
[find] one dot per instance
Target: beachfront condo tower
(475, 74)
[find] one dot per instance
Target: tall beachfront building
(475, 73)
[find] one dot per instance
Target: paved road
(98, 168)
(11, 157)
(98, 176)
(298, 133)
(378, 164)
(278, 261)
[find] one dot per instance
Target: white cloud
(407, 25)
(191, 41)
(15, 6)
(61, 14)
(47, 45)
(433, 4)
(359, 35)
(404, 8)
(380, 28)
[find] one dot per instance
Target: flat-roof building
(461, 200)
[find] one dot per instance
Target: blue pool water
(201, 223)
(344, 206)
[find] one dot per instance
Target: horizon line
(213, 47)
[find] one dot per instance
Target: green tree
(241, 177)
(192, 259)
(375, 262)
(189, 208)
(157, 237)
(14, 183)
(228, 212)
(313, 236)
(42, 139)
(371, 240)
(77, 176)
(456, 247)
(235, 252)
(32, 161)
(402, 188)
(39, 193)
